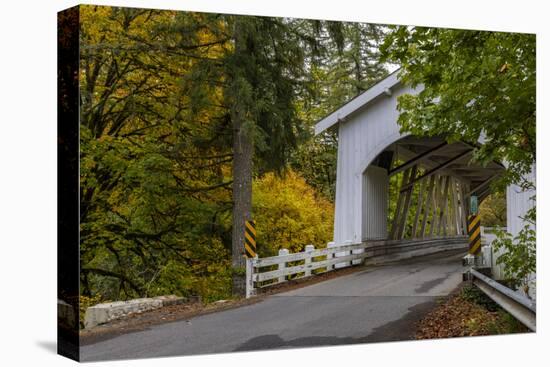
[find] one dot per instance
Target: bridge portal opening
(420, 188)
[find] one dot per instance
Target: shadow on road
(275, 341)
(398, 330)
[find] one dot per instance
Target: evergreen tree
(266, 70)
(346, 67)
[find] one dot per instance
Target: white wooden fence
(269, 271)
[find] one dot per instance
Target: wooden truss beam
(465, 208)
(481, 185)
(427, 209)
(419, 204)
(406, 178)
(457, 219)
(409, 154)
(442, 224)
(406, 207)
(417, 159)
(436, 195)
(438, 168)
(484, 193)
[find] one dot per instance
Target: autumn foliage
(290, 214)
(156, 155)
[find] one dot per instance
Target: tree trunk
(242, 201)
(243, 149)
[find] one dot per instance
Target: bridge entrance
(419, 188)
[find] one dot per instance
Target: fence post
(307, 261)
(345, 253)
(250, 291)
(282, 252)
(340, 254)
(331, 256)
(357, 252)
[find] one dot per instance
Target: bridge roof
(382, 87)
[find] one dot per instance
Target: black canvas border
(68, 208)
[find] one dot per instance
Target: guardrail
(269, 271)
(522, 308)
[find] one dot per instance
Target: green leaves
(154, 168)
(518, 254)
(482, 82)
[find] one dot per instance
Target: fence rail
(269, 271)
(522, 308)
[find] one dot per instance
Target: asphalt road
(379, 304)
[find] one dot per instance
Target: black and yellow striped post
(474, 233)
(250, 238)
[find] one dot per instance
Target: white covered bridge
(436, 178)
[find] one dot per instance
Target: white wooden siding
(518, 202)
(375, 203)
(365, 135)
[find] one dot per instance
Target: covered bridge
(435, 179)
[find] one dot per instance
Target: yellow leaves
(493, 210)
(290, 214)
(106, 24)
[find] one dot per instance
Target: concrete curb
(105, 312)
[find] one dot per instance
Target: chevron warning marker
(250, 238)
(474, 233)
